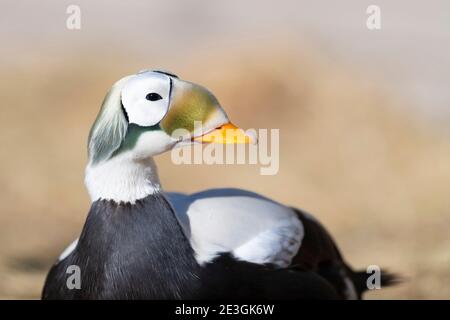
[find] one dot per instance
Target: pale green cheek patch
(193, 105)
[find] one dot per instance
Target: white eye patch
(145, 98)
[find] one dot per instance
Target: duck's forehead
(148, 81)
(189, 104)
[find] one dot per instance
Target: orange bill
(226, 134)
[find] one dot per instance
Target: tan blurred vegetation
(372, 172)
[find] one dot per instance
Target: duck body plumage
(255, 228)
(139, 251)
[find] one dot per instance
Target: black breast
(129, 251)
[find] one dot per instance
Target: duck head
(152, 112)
(144, 115)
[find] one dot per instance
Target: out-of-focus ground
(363, 161)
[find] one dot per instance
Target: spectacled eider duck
(141, 243)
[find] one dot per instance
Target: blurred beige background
(363, 118)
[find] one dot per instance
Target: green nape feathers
(110, 126)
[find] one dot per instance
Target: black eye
(153, 96)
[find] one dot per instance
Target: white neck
(122, 179)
